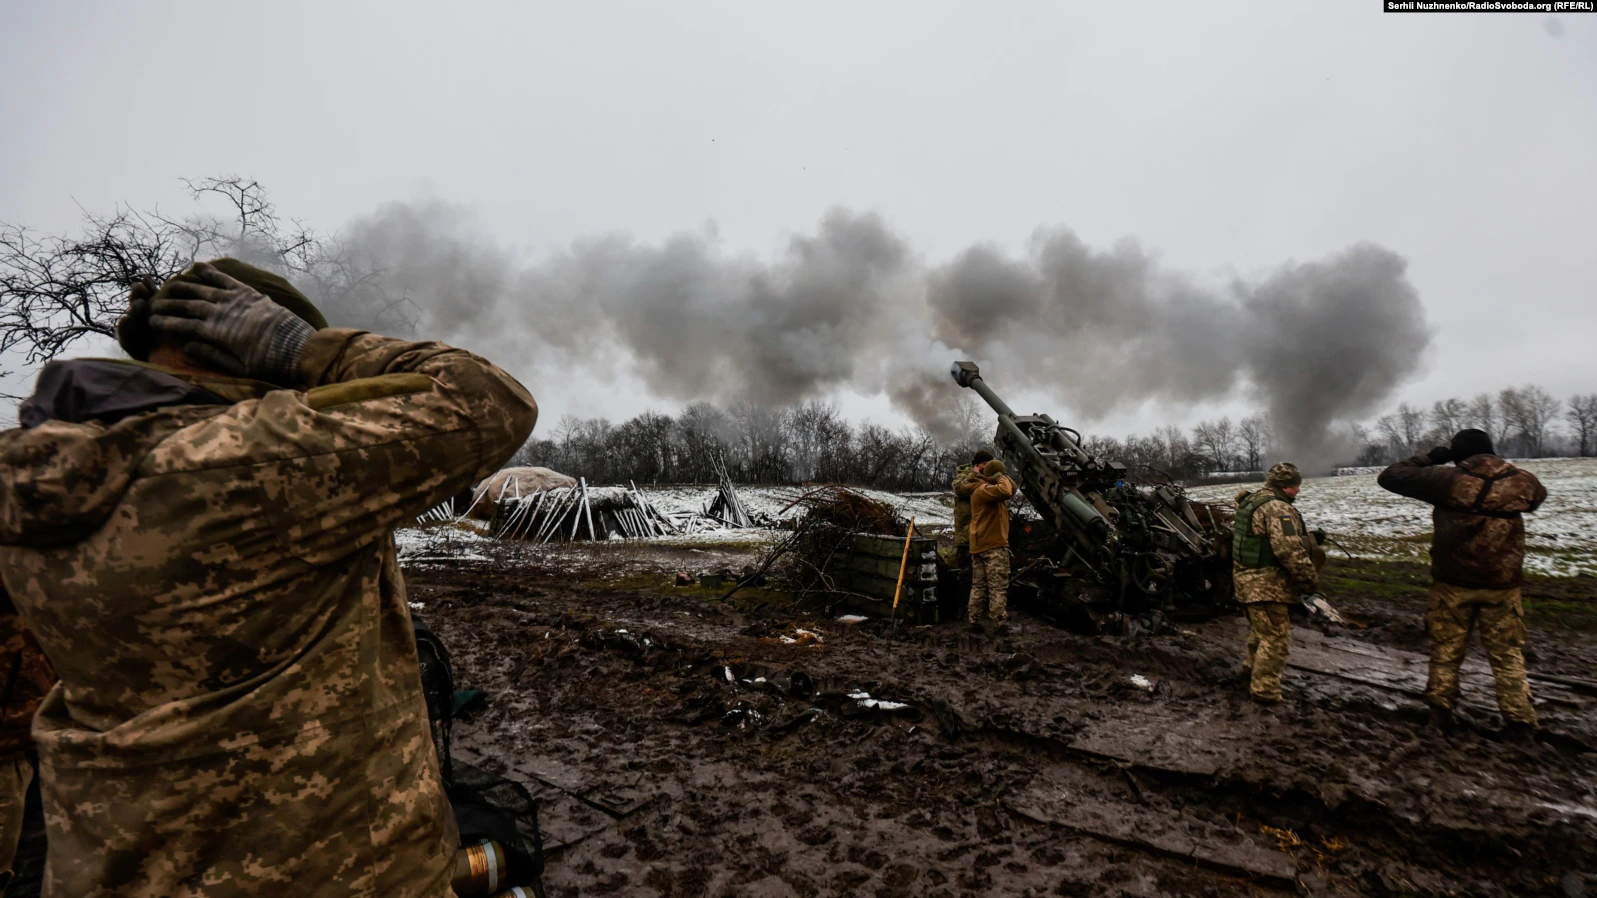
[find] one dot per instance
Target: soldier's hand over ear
(233, 328)
(1441, 455)
(133, 328)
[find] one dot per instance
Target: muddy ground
(683, 745)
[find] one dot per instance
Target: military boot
(1519, 733)
(1441, 720)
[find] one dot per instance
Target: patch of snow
(1561, 537)
(1141, 682)
(865, 701)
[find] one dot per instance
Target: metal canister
(479, 869)
(516, 892)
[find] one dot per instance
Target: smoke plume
(850, 305)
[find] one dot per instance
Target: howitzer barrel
(966, 374)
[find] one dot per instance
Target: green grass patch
(1562, 614)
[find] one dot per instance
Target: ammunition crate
(870, 572)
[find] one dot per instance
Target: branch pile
(823, 538)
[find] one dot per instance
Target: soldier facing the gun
(989, 546)
(966, 480)
(1477, 567)
(202, 543)
(1273, 565)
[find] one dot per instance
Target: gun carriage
(1112, 552)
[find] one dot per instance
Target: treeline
(807, 443)
(1524, 422)
(812, 443)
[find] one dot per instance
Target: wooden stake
(903, 564)
(587, 510)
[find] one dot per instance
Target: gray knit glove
(233, 328)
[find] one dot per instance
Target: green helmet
(994, 468)
(1284, 474)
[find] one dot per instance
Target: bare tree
(1216, 440)
(1483, 415)
(1528, 411)
(55, 291)
(1582, 418)
(1255, 435)
(1448, 417)
(1413, 424)
(58, 290)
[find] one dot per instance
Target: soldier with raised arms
(1272, 557)
(966, 480)
(202, 542)
(1477, 565)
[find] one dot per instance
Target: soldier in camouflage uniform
(989, 547)
(204, 548)
(1273, 566)
(1477, 565)
(965, 483)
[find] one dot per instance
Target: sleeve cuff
(321, 353)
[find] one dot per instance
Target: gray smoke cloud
(850, 305)
(1316, 344)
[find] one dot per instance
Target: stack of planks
(726, 507)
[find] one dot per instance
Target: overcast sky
(1230, 138)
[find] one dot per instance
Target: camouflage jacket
(963, 486)
(1294, 573)
(25, 678)
(240, 712)
(1478, 536)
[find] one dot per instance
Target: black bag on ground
(486, 806)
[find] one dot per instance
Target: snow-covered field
(777, 502)
(1561, 538)
(1362, 517)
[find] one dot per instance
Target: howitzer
(1111, 548)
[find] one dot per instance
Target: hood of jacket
(83, 433)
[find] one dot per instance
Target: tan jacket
(989, 514)
(240, 712)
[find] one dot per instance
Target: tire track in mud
(1035, 765)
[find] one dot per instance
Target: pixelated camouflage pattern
(989, 586)
(1283, 473)
(1294, 574)
(964, 484)
(1269, 640)
(1478, 534)
(240, 712)
(1453, 612)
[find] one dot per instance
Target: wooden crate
(870, 571)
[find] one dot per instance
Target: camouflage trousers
(1269, 639)
(989, 586)
(15, 776)
(1453, 613)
